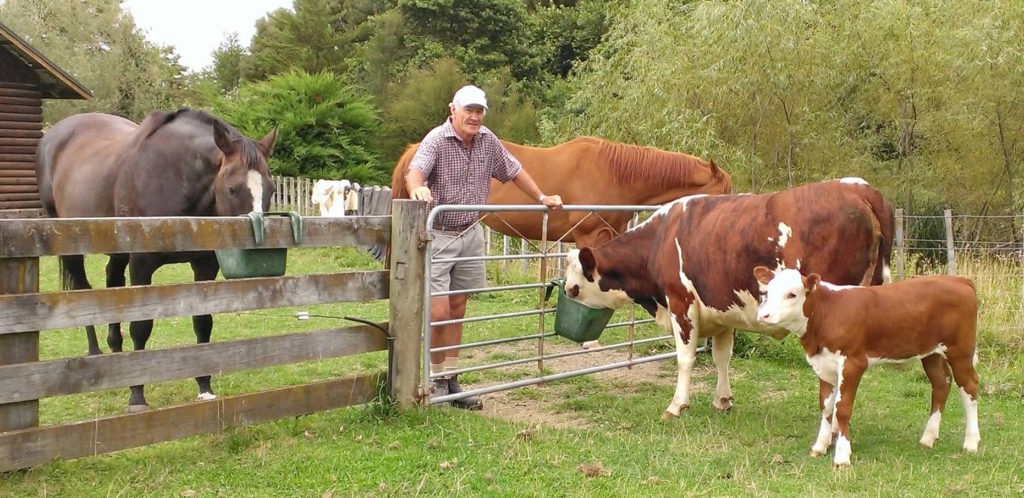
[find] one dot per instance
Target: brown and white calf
(845, 329)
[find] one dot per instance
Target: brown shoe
(467, 403)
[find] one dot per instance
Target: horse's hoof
(137, 408)
(206, 397)
(591, 345)
(723, 404)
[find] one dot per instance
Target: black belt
(442, 228)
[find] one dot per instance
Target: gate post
(19, 276)
(407, 299)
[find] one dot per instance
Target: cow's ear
(763, 274)
(811, 281)
(587, 262)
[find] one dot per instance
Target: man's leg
(439, 310)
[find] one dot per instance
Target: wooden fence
(24, 311)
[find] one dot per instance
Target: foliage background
(920, 98)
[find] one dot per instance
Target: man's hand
(552, 201)
(421, 193)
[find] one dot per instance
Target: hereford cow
(689, 264)
(846, 329)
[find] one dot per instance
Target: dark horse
(184, 163)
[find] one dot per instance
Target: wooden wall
(21, 125)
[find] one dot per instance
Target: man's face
(467, 120)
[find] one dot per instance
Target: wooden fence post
(950, 251)
(407, 309)
(898, 246)
(19, 276)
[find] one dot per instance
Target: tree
(99, 44)
(326, 129)
(483, 35)
(227, 63)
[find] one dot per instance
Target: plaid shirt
(456, 175)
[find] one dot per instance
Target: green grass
(619, 447)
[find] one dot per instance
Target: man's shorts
(460, 275)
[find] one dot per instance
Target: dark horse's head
(189, 163)
(243, 181)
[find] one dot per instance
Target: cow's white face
(589, 293)
(785, 293)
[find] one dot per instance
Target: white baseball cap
(470, 95)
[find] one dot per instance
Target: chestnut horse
(185, 163)
(590, 171)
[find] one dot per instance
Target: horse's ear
(222, 137)
(267, 144)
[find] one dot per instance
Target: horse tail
(398, 191)
(398, 188)
(65, 275)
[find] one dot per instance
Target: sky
(195, 28)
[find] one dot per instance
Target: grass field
(596, 435)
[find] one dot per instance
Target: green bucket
(576, 321)
(251, 263)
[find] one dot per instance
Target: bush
(325, 128)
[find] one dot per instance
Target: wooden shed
(26, 78)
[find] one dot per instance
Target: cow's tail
(398, 191)
(886, 217)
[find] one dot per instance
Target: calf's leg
(826, 402)
(967, 378)
(849, 378)
(936, 370)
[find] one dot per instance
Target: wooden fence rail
(24, 311)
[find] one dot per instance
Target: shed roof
(54, 83)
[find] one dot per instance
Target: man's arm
(418, 191)
(525, 183)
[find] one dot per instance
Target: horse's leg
(204, 268)
(72, 274)
(115, 278)
(140, 268)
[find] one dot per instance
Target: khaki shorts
(460, 275)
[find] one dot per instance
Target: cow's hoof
(667, 415)
(206, 397)
(137, 408)
(723, 404)
(841, 465)
(927, 444)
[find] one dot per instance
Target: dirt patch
(534, 405)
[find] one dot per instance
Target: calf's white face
(589, 292)
(785, 293)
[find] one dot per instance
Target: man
(454, 165)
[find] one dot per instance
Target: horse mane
(398, 188)
(158, 119)
(633, 164)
